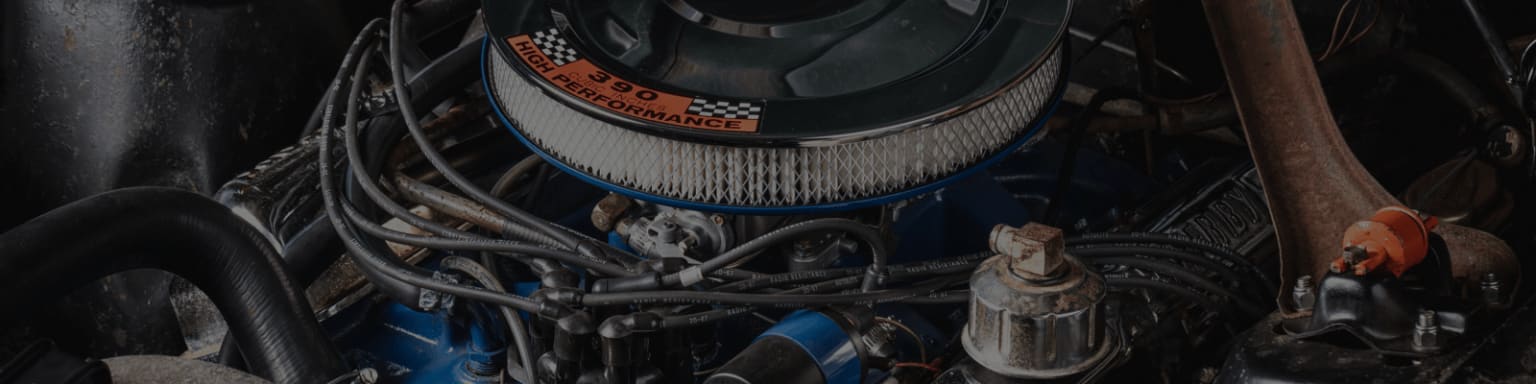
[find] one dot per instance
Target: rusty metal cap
(1034, 251)
(1034, 312)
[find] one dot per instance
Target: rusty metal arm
(1314, 186)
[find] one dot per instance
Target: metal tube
(1496, 48)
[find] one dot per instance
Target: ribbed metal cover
(772, 177)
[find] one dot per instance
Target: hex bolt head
(1302, 294)
(1505, 145)
(1035, 251)
(1426, 331)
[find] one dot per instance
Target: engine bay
(794, 191)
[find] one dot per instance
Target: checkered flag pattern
(726, 109)
(554, 46)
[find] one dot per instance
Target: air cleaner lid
(775, 73)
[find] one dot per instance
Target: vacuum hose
(186, 234)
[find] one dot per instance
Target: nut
(1034, 250)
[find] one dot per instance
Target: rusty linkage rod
(1314, 185)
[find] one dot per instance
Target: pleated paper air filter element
(774, 106)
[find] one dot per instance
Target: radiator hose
(186, 234)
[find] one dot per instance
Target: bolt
(368, 376)
(1035, 251)
(428, 299)
(1207, 375)
(1302, 293)
(1353, 254)
(1426, 331)
(1492, 288)
(1505, 145)
(881, 341)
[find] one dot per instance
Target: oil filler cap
(1035, 312)
(773, 106)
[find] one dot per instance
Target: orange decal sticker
(547, 54)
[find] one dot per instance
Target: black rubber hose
(364, 181)
(1426, 68)
(796, 277)
(1186, 277)
(1076, 131)
(425, 145)
(311, 251)
(1457, 87)
(306, 252)
(400, 291)
(306, 255)
(508, 180)
(186, 234)
(736, 274)
(711, 316)
(307, 259)
(693, 319)
(439, 80)
(1124, 282)
(434, 14)
(1165, 239)
(868, 234)
(397, 279)
(941, 298)
(701, 318)
(1197, 259)
(774, 300)
(468, 210)
(389, 270)
(514, 321)
(484, 245)
(570, 239)
(939, 266)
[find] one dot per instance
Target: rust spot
(69, 39)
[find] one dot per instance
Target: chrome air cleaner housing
(774, 106)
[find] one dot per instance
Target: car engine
(767, 192)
